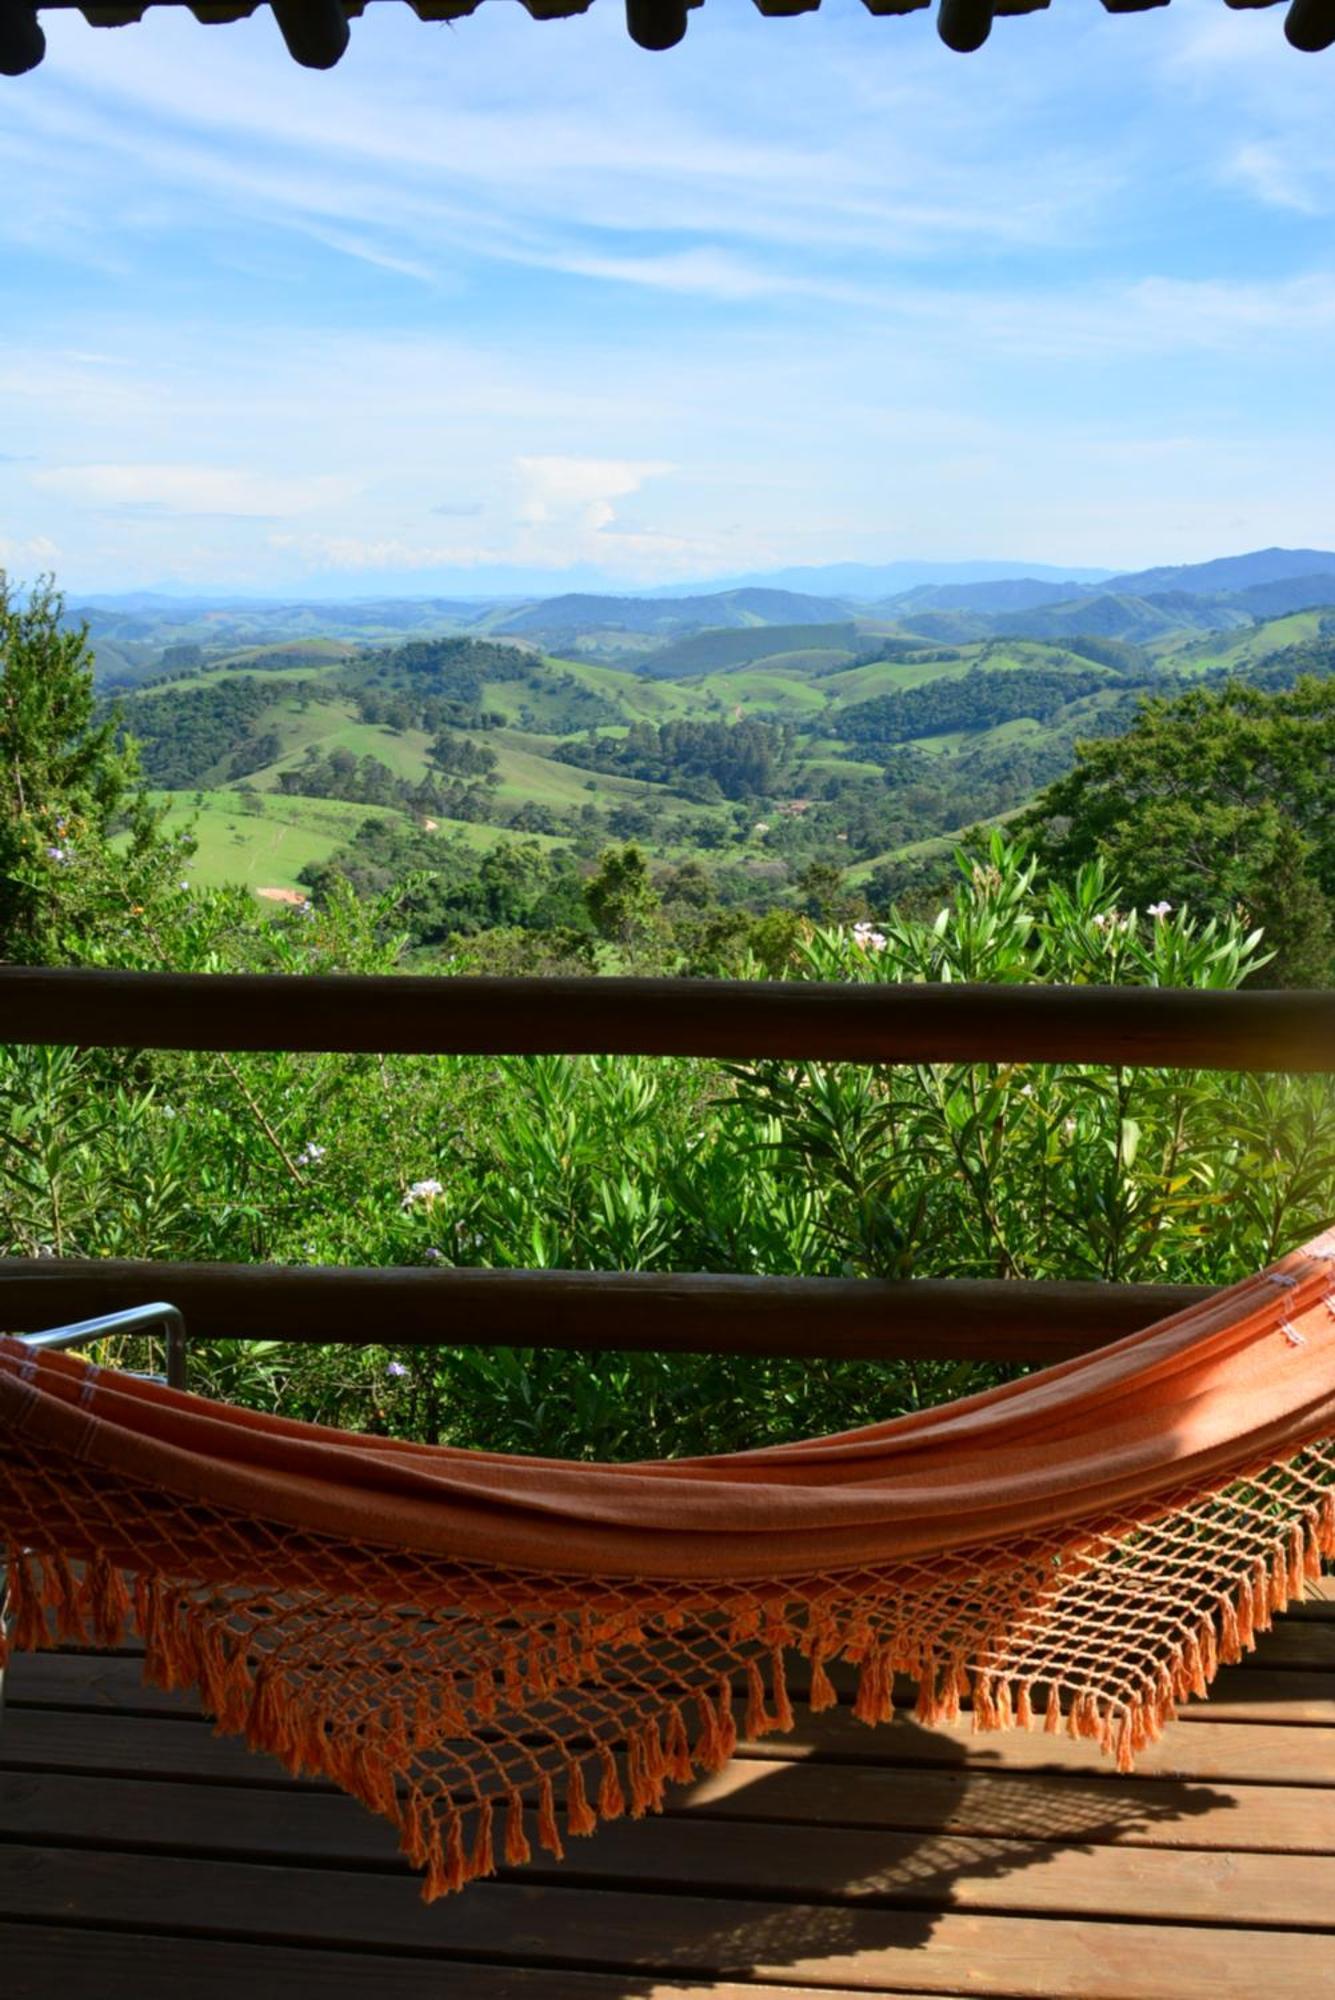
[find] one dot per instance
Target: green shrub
(948, 1170)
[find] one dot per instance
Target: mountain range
(843, 609)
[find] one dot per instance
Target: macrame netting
(481, 1705)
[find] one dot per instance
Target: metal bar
(128, 1319)
(1154, 1027)
(692, 1313)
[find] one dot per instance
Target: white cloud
(23, 558)
(579, 490)
(1271, 173)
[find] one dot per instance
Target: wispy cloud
(194, 489)
(806, 289)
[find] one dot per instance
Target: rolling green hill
(754, 750)
(705, 651)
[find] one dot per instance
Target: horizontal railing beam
(1157, 1027)
(830, 1318)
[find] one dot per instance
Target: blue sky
(514, 303)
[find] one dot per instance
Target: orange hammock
(450, 1635)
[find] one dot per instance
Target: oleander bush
(966, 1170)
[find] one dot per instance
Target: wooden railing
(1150, 1026)
(920, 1318)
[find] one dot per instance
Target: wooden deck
(142, 1858)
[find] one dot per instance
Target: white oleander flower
(426, 1191)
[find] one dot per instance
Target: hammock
(484, 1648)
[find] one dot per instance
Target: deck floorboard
(142, 1857)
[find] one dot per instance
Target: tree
(825, 895)
(82, 849)
(622, 900)
(1222, 799)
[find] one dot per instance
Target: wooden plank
(41, 1960)
(695, 1313)
(90, 1680)
(921, 1870)
(1247, 1693)
(1156, 1026)
(1141, 1812)
(971, 1785)
(1298, 1642)
(1257, 1819)
(677, 1935)
(1256, 1754)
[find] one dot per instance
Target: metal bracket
(79, 1334)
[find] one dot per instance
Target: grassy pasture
(263, 842)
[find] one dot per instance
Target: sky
(515, 305)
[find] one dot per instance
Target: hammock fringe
(190, 1644)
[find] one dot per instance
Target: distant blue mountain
(866, 582)
(581, 611)
(1229, 573)
(1013, 593)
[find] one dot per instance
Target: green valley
(811, 763)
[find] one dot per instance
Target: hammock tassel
(1311, 1548)
(611, 1798)
(1297, 1576)
(517, 1849)
(1123, 1744)
(677, 1748)
(875, 1698)
(823, 1694)
(580, 1816)
(727, 1721)
(269, 1722)
(61, 1596)
(549, 1834)
(414, 1842)
(930, 1705)
(638, 1775)
(709, 1743)
(1207, 1640)
(236, 1693)
(447, 1867)
(783, 1707)
(25, 1602)
(758, 1723)
(655, 1758)
(482, 1860)
(1325, 1525)
(104, 1602)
